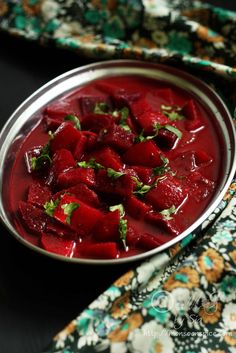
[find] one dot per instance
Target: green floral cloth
(184, 299)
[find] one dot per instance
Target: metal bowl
(25, 118)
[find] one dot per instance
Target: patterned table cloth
(184, 299)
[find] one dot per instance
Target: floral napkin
(184, 299)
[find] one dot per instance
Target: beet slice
(137, 208)
(82, 192)
(166, 139)
(106, 157)
(73, 176)
(55, 227)
(39, 194)
(143, 153)
(80, 147)
(97, 122)
(62, 160)
(199, 186)
(87, 103)
(166, 193)
(33, 217)
(202, 158)
(84, 218)
(57, 245)
(58, 110)
(65, 136)
(99, 251)
(107, 228)
(122, 186)
(116, 137)
(193, 116)
(146, 117)
(144, 174)
(148, 241)
(169, 226)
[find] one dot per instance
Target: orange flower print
(186, 277)
(121, 333)
(124, 280)
(211, 265)
(210, 312)
(121, 306)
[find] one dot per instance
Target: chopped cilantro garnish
(141, 138)
(68, 208)
(170, 128)
(118, 207)
(172, 112)
(162, 169)
(101, 108)
(50, 207)
(124, 113)
(168, 212)
(111, 173)
(90, 164)
(39, 162)
(74, 119)
(122, 224)
(142, 188)
(123, 227)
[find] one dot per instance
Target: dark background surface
(38, 295)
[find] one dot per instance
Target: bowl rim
(103, 66)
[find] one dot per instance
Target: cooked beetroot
(84, 193)
(39, 194)
(148, 241)
(127, 168)
(143, 153)
(116, 137)
(87, 103)
(65, 136)
(62, 160)
(200, 187)
(137, 208)
(107, 228)
(123, 186)
(33, 217)
(84, 218)
(193, 116)
(166, 139)
(166, 193)
(107, 157)
(97, 122)
(74, 176)
(57, 245)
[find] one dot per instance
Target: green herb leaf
(160, 170)
(74, 119)
(172, 112)
(168, 212)
(50, 207)
(101, 108)
(114, 174)
(123, 227)
(141, 188)
(173, 116)
(90, 164)
(118, 207)
(39, 162)
(174, 129)
(168, 127)
(141, 138)
(68, 208)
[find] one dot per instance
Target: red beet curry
(118, 167)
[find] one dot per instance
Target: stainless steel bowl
(25, 118)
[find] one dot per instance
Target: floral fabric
(184, 299)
